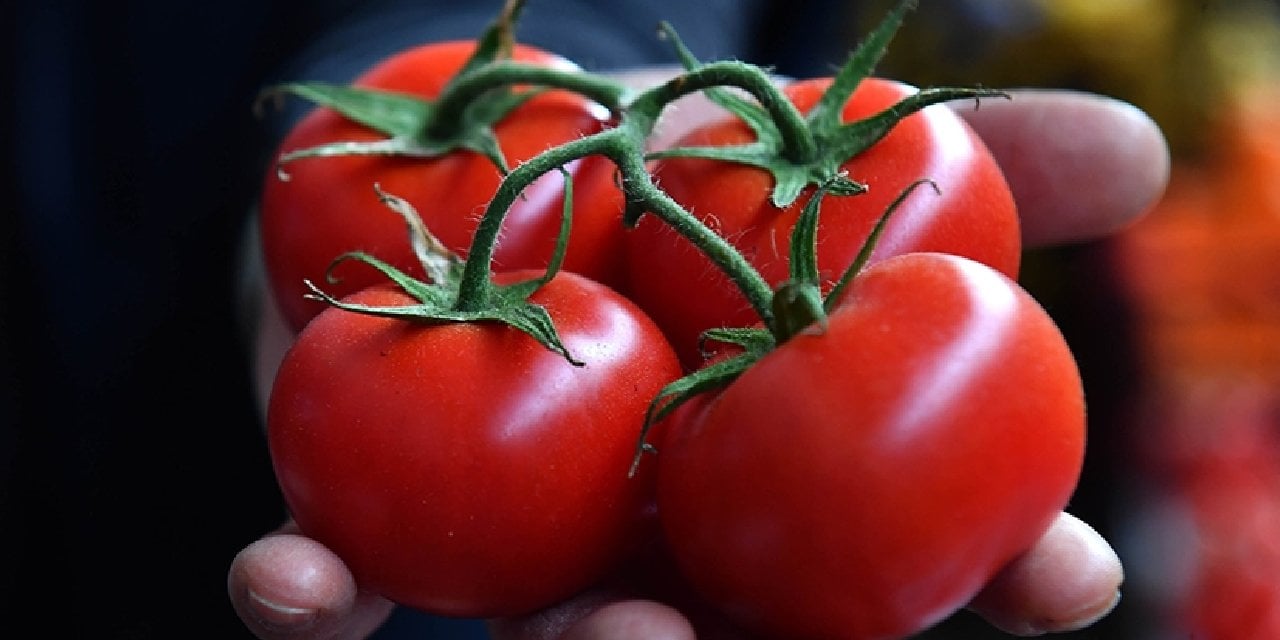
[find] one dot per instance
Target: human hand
(1080, 166)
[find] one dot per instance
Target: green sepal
(797, 303)
(750, 339)
(408, 121)
(526, 288)
(476, 132)
(716, 375)
(826, 143)
(442, 301)
(416, 127)
(767, 152)
(498, 42)
(848, 140)
(507, 306)
(837, 141)
(803, 258)
(388, 112)
(427, 294)
(868, 246)
(862, 62)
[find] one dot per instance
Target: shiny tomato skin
(867, 480)
(328, 206)
(464, 469)
(974, 216)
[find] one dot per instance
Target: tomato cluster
(880, 421)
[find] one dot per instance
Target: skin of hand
(1081, 166)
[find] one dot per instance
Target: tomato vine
(804, 153)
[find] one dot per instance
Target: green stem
(640, 188)
(458, 97)
(798, 143)
(624, 146)
(475, 284)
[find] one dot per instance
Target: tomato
(974, 216)
(465, 469)
(866, 480)
(328, 206)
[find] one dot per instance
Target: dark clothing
(133, 463)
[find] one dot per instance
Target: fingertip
(632, 620)
(1080, 165)
(287, 585)
(1068, 581)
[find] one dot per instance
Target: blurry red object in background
(1203, 269)
(1202, 273)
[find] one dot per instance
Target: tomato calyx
(798, 305)
(808, 151)
(444, 299)
(487, 88)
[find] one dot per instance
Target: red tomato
(465, 469)
(867, 480)
(974, 216)
(328, 206)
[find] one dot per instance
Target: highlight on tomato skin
(871, 477)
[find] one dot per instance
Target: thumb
(290, 586)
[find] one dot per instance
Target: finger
(597, 614)
(632, 620)
(597, 617)
(289, 586)
(1080, 165)
(1068, 581)
(550, 623)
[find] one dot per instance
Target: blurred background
(1176, 321)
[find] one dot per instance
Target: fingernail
(278, 615)
(1084, 618)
